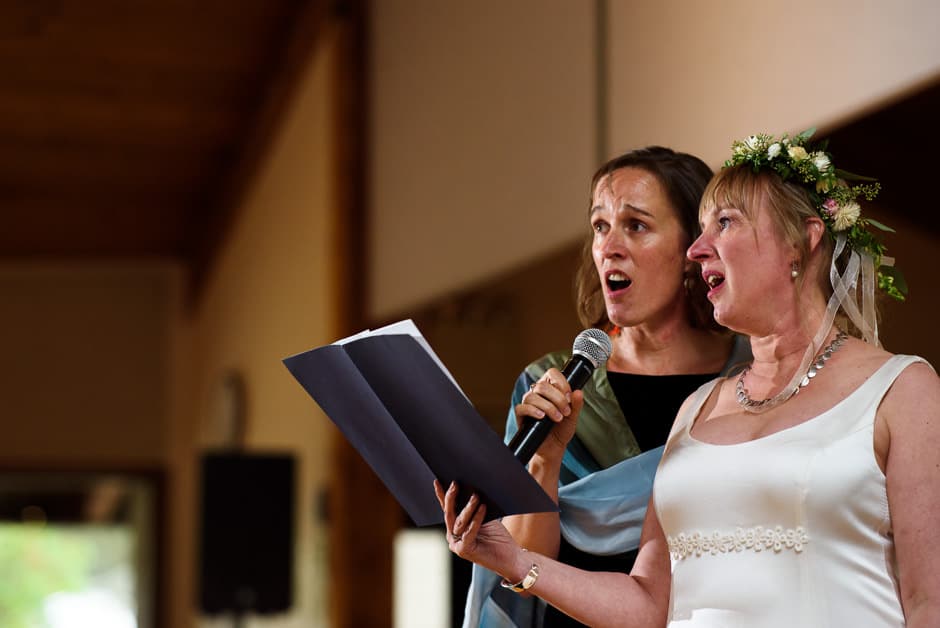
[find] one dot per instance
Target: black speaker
(246, 533)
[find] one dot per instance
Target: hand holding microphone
(591, 349)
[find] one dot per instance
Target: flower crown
(796, 160)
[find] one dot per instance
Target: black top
(650, 404)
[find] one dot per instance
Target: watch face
(526, 582)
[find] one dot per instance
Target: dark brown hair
(683, 178)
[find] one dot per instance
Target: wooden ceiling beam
(106, 230)
(140, 122)
(87, 116)
(98, 166)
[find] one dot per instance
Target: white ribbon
(844, 291)
(844, 295)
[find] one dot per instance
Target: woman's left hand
(487, 544)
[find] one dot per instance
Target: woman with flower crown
(802, 491)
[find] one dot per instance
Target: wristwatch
(526, 583)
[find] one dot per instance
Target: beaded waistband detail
(756, 539)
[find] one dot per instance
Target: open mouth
(617, 281)
(713, 279)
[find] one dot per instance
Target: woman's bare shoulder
(915, 392)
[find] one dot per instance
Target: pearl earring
(794, 270)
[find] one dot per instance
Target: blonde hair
(788, 205)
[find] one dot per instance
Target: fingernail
(539, 414)
(568, 397)
(453, 486)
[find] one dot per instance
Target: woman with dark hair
(801, 491)
(635, 283)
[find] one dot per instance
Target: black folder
(398, 407)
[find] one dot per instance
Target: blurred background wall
(415, 159)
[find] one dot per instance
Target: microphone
(591, 349)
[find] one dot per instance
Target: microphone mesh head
(593, 344)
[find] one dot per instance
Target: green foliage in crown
(835, 198)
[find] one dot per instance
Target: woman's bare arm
(600, 599)
(550, 399)
(911, 410)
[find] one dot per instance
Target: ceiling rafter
(130, 130)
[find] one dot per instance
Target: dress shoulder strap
(695, 402)
(868, 396)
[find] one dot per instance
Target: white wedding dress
(789, 530)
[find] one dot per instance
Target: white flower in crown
(846, 215)
(796, 160)
(797, 153)
(821, 161)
